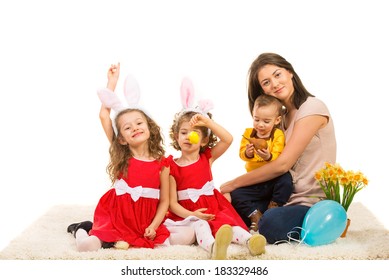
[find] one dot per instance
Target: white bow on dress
(121, 188)
(194, 194)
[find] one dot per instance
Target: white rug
(47, 239)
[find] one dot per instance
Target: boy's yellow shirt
(276, 143)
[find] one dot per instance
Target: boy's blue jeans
(250, 198)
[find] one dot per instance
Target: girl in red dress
(132, 212)
(194, 200)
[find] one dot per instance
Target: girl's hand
(199, 214)
(199, 120)
(113, 74)
(150, 233)
(264, 154)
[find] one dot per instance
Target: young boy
(260, 145)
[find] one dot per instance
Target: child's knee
(189, 236)
(182, 236)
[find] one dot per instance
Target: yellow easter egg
(194, 137)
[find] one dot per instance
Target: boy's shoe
(254, 218)
(86, 225)
(272, 204)
(256, 244)
(223, 239)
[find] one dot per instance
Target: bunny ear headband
(187, 100)
(111, 100)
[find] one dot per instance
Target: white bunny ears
(187, 99)
(111, 100)
(131, 94)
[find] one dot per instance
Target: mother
(310, 142)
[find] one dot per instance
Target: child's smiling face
(133, 128)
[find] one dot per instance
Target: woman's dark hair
(300, 94)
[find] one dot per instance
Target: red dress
(120, 215)
(196, 176)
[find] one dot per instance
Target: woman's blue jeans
(276, 223)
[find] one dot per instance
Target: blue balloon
(324, 222)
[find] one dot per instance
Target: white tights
(179, 235)
(240, 235)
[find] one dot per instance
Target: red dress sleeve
(169, 161)
(207, 153)
(165, 162)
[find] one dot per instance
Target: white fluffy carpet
(47, 238)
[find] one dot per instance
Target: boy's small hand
(249, 150)
(264, 154)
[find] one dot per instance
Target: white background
(55, 54)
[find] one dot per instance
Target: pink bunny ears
(187, 99)
(131, 93)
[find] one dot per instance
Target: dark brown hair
(300, 94)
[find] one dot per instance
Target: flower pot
(345, 230)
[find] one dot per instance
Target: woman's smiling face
(276, 81)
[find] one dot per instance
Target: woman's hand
(227, 187)
(227, 196)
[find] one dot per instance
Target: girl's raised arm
(224, 136)
(105, 119)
